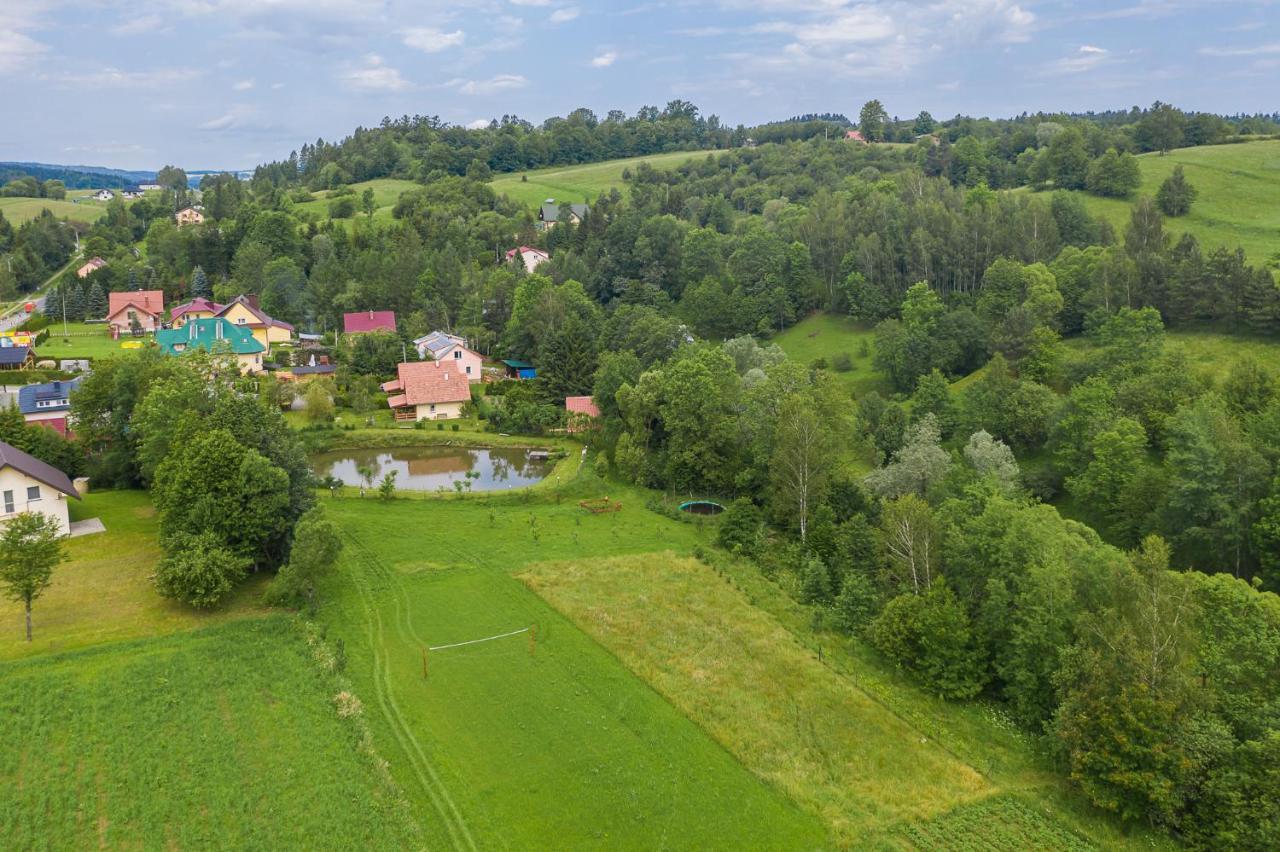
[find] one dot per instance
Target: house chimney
(370, 314)
(252, 299)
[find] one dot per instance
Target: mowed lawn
(83, 340)
(578, 184)
(1239, 196)
(506, 746)
(224, 738)
(824, 336)
(19, 210)
(770, 701)
(103, 592)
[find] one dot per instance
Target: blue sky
(230, 83)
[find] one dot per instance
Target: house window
(33, 493)
(8, 503)
(240, 321)
(433, 408)
(468, 369)
(457, 354)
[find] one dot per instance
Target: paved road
(19, 316)
(16, 316)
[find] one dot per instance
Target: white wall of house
(15, 497)
(440, 411)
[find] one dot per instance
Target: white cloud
(17, 51)
(1255, 50)
(139, 25)
(1086, 58)
(1088, 48)
(374, 76)
(565, 15)
(497, 83)
(108, 77)
(530, 2)
(604, 60)
(478, 124)
(432, 40)
(243, 85)
(232, 119)
(277, 85)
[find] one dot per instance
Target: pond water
(431, 468)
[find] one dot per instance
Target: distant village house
(48, 404)
(94, 264)
(363, 322)
(549, 214)
(855, 136)
(215, 335)
(188, 216)
(582, 412)
(532, 258)
(104, 195)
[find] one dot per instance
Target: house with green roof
(215, 334)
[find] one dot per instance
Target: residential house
(549, 214)
(189, 216)
(94, 264)
(104, 195)
(517, 369)
(441, 346)
(131, 194)
(215, 335)
(749, 143)
(428, 390)
(244, 312)
(197, 308)
(15, 357)
(855, 136)
(582, 412)
(30, 485)
(145, 306)
(532, 258)
(363, 322)
(149, 186)
(48, 404)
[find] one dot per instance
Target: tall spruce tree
(200, 287)
(96, 302)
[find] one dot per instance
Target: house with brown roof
(145, 306)
(244, 312)
(197, 308)
(30, 485)
(428, 390)
(94, 264)
(363, 322)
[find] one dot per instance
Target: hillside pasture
(1210, 353)
(20, 210)
(1239, 196)
(386, 192)
(224, 738)
(826, 337)
(576, 184)
(506, 743)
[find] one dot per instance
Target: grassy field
(103, 592)
(767, 699)
(386, 192)
(225, 738)
(501, 747)
(19, 210)
(576, 184)
(1239, 200)
(1211, 353)
(83, 340)
(826, 336)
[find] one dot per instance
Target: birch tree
(801, 463)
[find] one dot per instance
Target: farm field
(1239, 200)
(19, 210)
(103, 592)
(825, 336)
(499, 747)
(223, 738)
(575, 184)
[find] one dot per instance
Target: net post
(533, 639)
(424, 663)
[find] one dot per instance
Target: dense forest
(1085, 530)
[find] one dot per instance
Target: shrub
(439, 427)
(741, 528)
(930, 635)
(316, 546)
(198, 570)
(342, 208)
(454, 427)
(857, 603)
(842, 362)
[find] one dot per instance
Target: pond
(431, 468)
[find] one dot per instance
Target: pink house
(582, 411)
(146, 306)
(532, 258)
(363, 322)
(448, 348)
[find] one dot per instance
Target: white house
(450, 349)
(30, 485)
(104, 195)
(532, 258)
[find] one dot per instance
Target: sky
(233, 83)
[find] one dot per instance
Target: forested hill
(75, 177)
(1001, 153)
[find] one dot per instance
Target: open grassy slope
(576, 184)
(501, 748)
(1239, 200)
(19, 210)
(386, 192)
(81, 340)
(225, 738)
(104, 592)
(825, 336)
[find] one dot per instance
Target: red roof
(428, 383)
(251, 305)
(199, 303)
(511, 253)
(581, 405)
(147, 301)
(855, 135)
(363, 321)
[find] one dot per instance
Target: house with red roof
(363, 322)
(428, 390)
(197, 308)
(245, 312)
(855, 136)
(532, 258)
(582, 411)
(144, 306)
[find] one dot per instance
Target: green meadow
(825, 337)
(82, 340)
(386, 192)
(576, 184)
(19, 210)
(1239, 196)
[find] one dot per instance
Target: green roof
(517, 365)
(213, 335)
